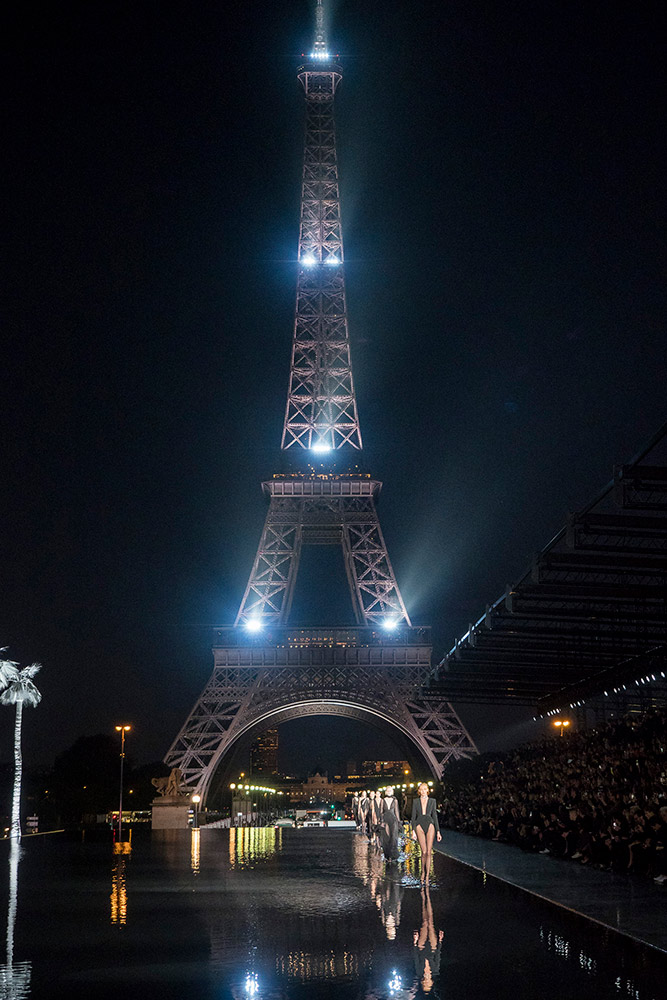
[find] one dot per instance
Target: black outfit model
(390, 825)
(364, 803)
(424, 819)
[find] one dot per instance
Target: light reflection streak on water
(118, 896)
(248, 844)
(560, 946)
(195, 850)
(14, 977)
(252, 984)
(412, 863)
(304, 966)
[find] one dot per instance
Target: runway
(283, 914)
(629, 904)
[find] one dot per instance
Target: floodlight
(309, 260)
(254, 624)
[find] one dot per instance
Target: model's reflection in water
(427, 945)
(369, 865)
(14, 977)
(390, 896)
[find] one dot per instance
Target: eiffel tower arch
(266, 670)
(288, 673)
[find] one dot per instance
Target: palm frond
(8, 672)
(19, 687)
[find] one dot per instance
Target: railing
(323, 637)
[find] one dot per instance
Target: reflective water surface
(288, 913)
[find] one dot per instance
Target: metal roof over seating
(589, 617)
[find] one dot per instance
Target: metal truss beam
(321, 411)
(592, 606)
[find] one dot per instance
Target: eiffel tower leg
(223, 701)
(352, 578)
(372, 577)
(440, 729)
(268, 595)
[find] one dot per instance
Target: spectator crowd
(597, 797)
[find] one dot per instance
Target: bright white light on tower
(321, 446)
(254, 624)
(309, 260)
(390, 624)
(320, 55)
(333, 261)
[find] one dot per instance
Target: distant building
(386, 769)
(264, 753)
(318, 788)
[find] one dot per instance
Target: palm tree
(18, 689)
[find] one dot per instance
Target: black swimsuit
(423, 819)
(425, 822)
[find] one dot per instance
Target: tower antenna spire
(320, 47)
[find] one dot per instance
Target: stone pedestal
(170, 812)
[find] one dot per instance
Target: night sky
(502, 195)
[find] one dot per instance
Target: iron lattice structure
(321, 408)
(264, 671)
(322, 510)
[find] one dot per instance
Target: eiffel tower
(267, 671)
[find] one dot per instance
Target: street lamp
(196, 800)
(561, 725)
(122, 730)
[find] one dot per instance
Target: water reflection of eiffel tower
(265, 671)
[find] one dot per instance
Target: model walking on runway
(425, 827)
(390, 824)
(355, 809)
(363, 813)
(373, 818)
